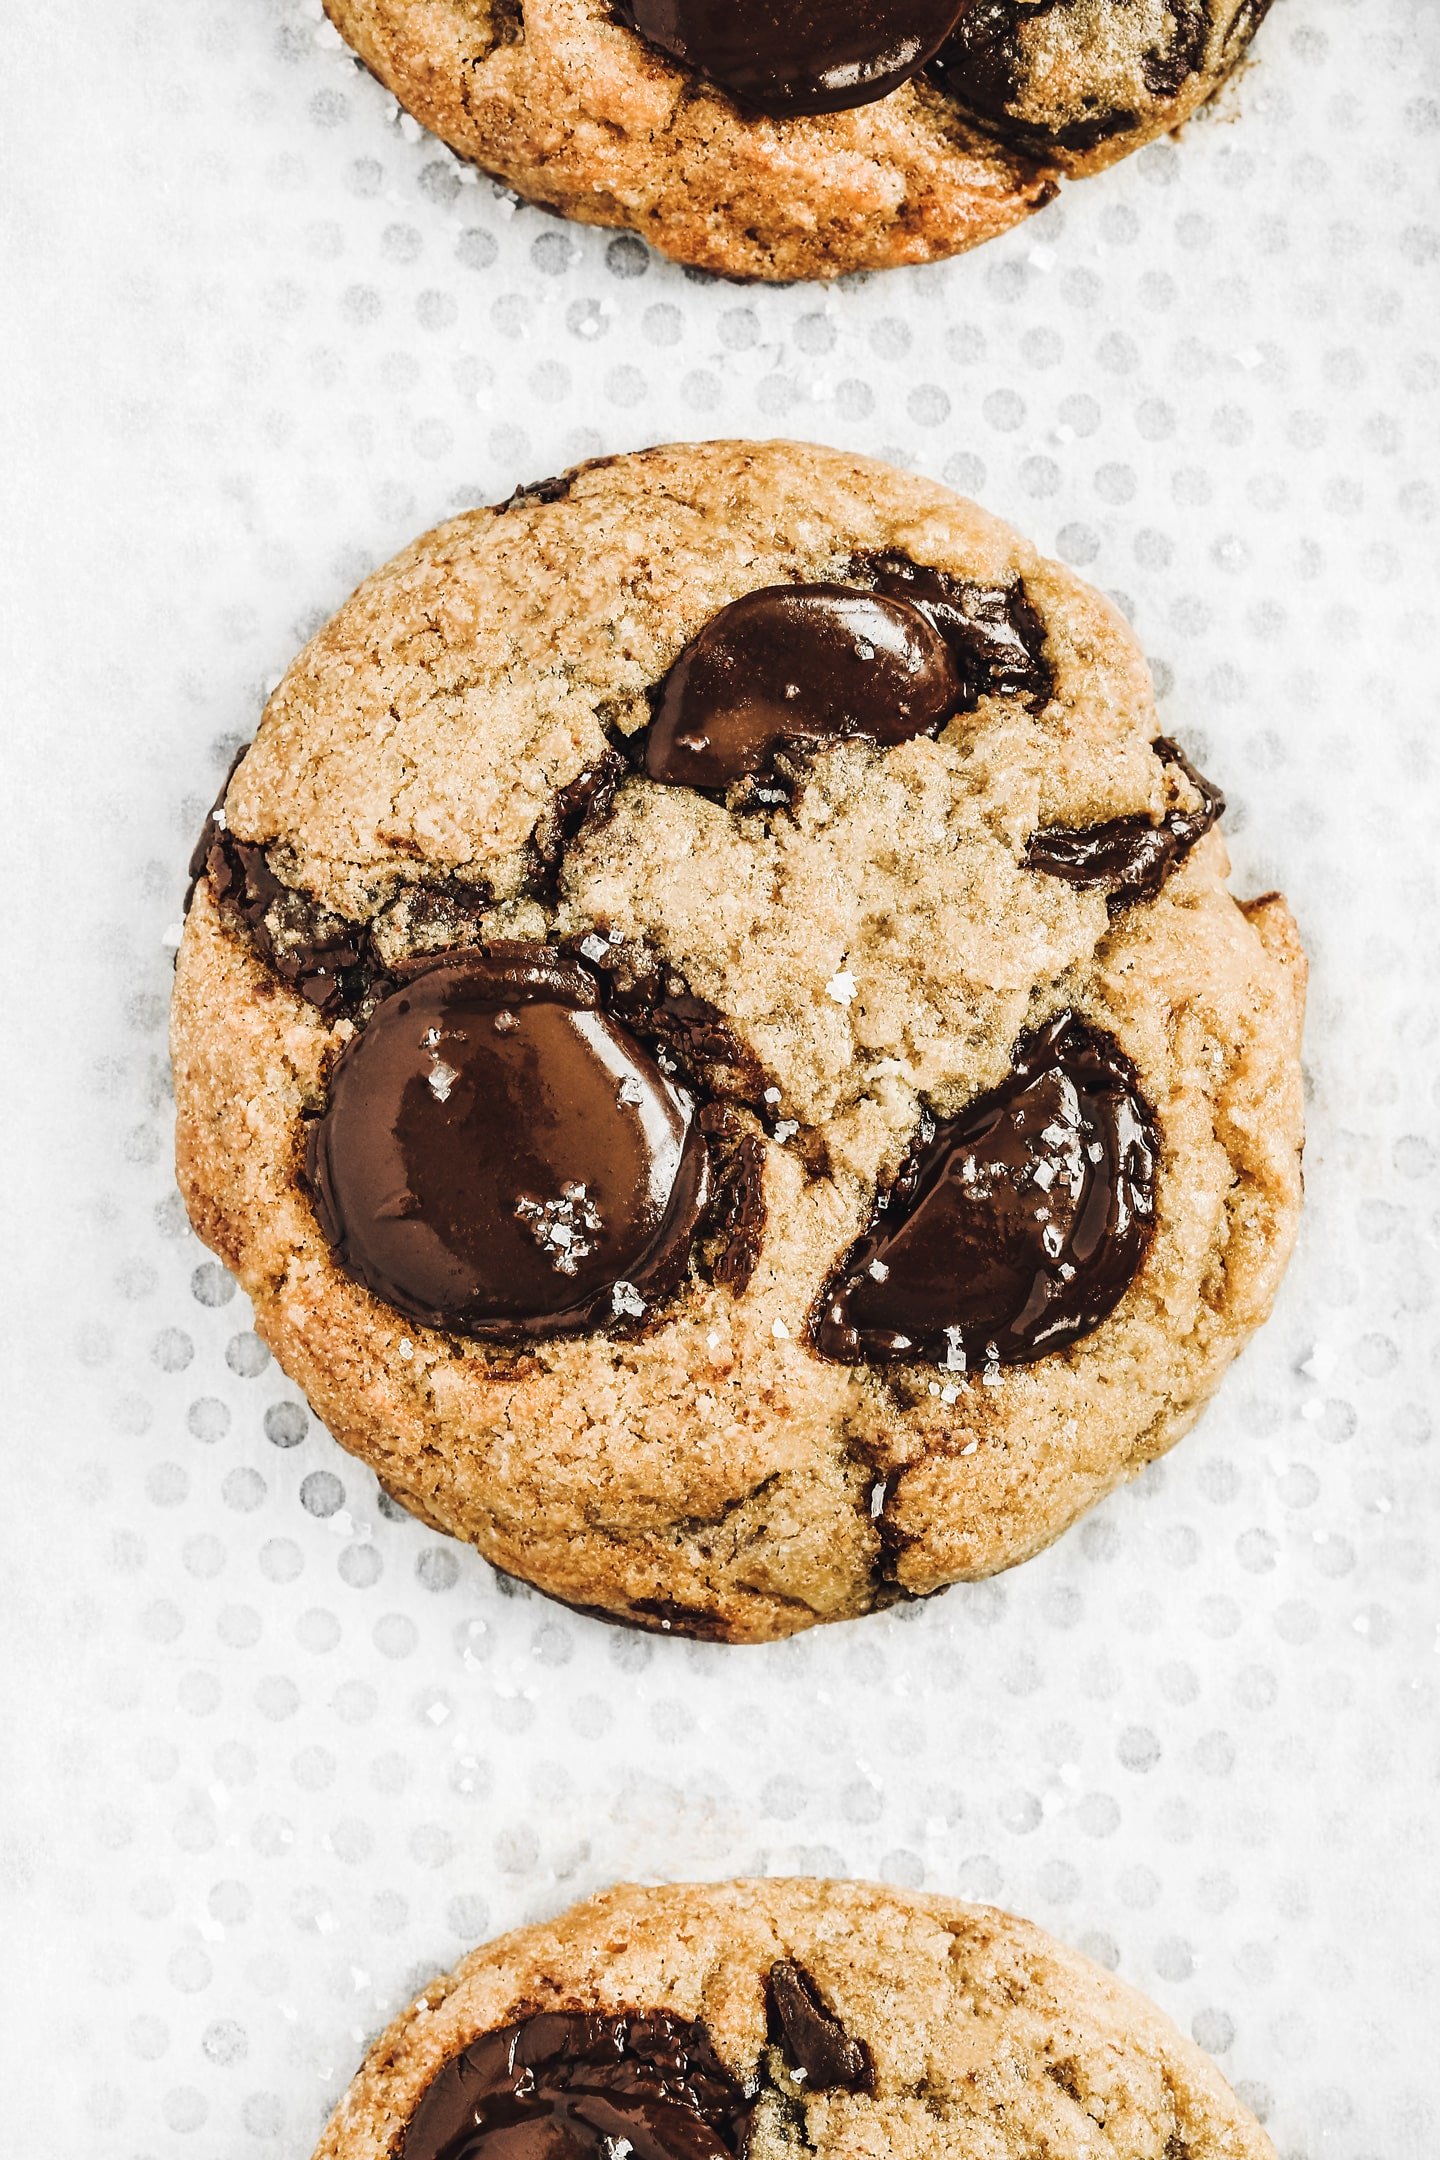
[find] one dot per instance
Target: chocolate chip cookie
(753, 2020)
(711, 1026)
(802, 140)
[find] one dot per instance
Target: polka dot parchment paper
(272, 1752)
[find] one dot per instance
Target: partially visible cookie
(801, 141)
(712, 1028)
(761, 2020)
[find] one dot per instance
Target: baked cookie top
(713, 1031)
(804, 140)
(756, 2020)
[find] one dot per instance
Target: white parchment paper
(271, 1756)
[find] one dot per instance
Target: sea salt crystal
(593, 947)
(841, 987)
(441, 1078)
(627, 1299)
(779, 1330)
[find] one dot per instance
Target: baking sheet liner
(274, 1755)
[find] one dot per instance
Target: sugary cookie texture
(804, 139)
(757, 2020)
(712, 1029)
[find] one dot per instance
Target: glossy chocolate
(1129, 857)
(795, 666)
(737, 1214)
(822, 2054)
(575, 2085)
(1013, 1229)
(588, 797)
(783, 57)
(500, 1157)
(996, 638)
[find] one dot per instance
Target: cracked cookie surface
(793, 2017)
(829, 968)
(565, 102)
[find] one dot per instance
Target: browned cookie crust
(836, 2019)
(569, 106)
(451, 763)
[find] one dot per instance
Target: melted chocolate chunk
(537, 491)
(658, 1004)
(1000, 62)
(735, 1226)
(982, 66)
(1167, 66)
(501, 1158)
(588, 796)
(995, 636)
(1128, 856)
(576, 2085)
(794, 666)
(823, 2054)
(1013, 1229)
(213, 827)
(322, 957)
(783, 57)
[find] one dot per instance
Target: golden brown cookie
(713, 1031)
(757, 2020)
(711, 126)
